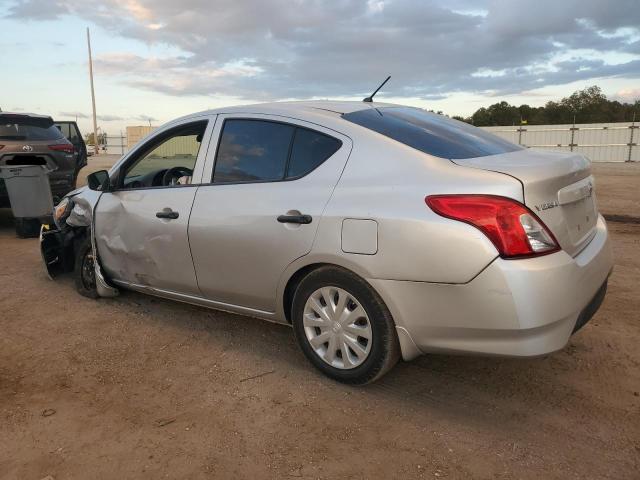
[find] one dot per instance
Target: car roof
(43, 121)
(14, 115)
(331, 108)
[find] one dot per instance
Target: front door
(141, 226)
(269, 185)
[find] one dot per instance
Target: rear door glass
(70, 131)
(252, 151)
(431, 133)
(74, 131)
(64, 128)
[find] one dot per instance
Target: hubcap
(337, 327)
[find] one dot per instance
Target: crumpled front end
(56, 248)
(73, 221)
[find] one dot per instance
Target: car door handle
(168, 213)
(301, 219)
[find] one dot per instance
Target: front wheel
(84, 272)
(343, 326)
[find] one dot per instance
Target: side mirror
(99, 180)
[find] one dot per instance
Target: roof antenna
(369, 99)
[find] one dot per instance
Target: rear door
(141, 226)
(270, 179)
(72, 133)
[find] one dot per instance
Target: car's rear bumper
(519, 308)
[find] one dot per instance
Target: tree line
(583, 106)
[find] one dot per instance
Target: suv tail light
(62, 147)
(515, 230)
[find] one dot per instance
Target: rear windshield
(18, 131)
(431, 133)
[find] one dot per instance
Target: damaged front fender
(57, 246)
(84, 202)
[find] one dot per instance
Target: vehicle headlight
(62, 211)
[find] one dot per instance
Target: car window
(252, 151)
(70, 131)
(19, 131)
(64, 128)
(431, 133)
(176, 148)
(76, 136)
(310, 149)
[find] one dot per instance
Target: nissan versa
(375, 230)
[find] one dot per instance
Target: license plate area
(579, 210)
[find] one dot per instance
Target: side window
(64, 128)
(264, 151)
(310, 149)
(167, 160)
(74, 133)
(252, 151)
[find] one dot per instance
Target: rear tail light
(62, 147)
(515, 230)
(1, 147)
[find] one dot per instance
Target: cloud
(251, 49)
(109, 118)
(145, 118)
(628, 95)
(73, 114)
(102, 118)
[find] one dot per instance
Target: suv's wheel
(84, 273)
(343, 326)
(27, 227)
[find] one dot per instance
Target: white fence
(116, 144)
(601, 142)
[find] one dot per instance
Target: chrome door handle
(168, 213)
(301, 219)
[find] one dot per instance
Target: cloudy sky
(158, 59)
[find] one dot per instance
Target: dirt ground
(138, 387)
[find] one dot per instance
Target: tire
(83, 273)
(375, 355)
(27, 227)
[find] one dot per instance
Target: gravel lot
(138, 387)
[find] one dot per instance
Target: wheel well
(292, 285)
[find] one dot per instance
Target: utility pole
(93, 97)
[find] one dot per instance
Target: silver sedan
(376, 231)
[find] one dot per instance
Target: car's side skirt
(202, 302)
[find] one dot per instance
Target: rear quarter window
(310, 149)
(431, 133)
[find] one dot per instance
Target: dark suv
(28, 139)
(72, 133)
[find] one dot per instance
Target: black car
(28, 139)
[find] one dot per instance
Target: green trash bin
(30, 196)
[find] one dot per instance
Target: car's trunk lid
(557, 186)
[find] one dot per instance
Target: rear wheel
(343, 326)
(84, 272)
(27, 227)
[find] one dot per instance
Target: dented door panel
(135, 246)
